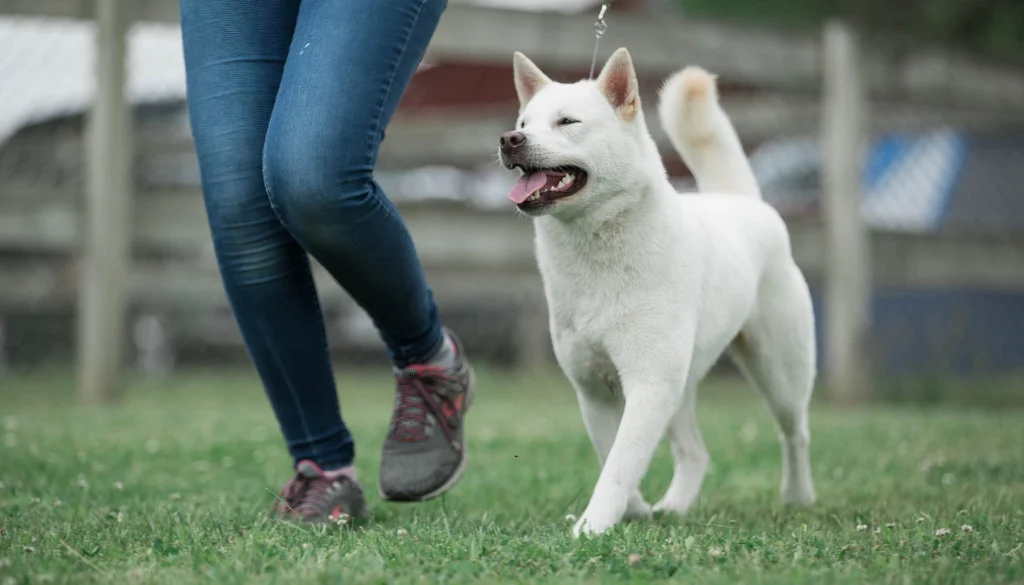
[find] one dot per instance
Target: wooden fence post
(848, 278)
(103, 269)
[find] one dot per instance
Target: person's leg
(347, 69)
(234, 55)
(349, 65)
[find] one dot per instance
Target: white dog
(646, 287)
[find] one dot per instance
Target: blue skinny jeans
(288, 101)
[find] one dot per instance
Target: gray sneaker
(424, 454)
(312, 496)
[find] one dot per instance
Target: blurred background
(889, 134)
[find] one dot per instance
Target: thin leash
(600, 26)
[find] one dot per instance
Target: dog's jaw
(538, 192)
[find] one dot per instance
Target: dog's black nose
(512, 140)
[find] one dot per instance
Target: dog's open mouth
(541, 187)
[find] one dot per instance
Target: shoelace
(417, 387)
(303, 494)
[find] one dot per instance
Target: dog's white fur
(647, 288)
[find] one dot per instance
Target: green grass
(173, 487)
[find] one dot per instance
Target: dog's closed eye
(565, 121)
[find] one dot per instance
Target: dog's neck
(629, 220)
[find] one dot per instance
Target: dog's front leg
(601, 417)
(651, 400)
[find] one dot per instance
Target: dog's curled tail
(703, 134)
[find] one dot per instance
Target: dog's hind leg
(601, 418)
(690, 457)
(776, 353)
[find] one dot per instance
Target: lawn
(173, 486)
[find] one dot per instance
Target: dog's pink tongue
(526, 186)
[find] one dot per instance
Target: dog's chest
(587, 310)
(585, 303)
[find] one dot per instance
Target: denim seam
(266, 184)
(309, 284)
(325, 347)
(403, 353)
(383, 99)
(308, 277)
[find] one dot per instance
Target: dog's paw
(600, 516)
(592, 526)
(801, 496)
(670, 506)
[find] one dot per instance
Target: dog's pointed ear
(618, 83)
(529, 78)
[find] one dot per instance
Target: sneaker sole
(457, 475)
